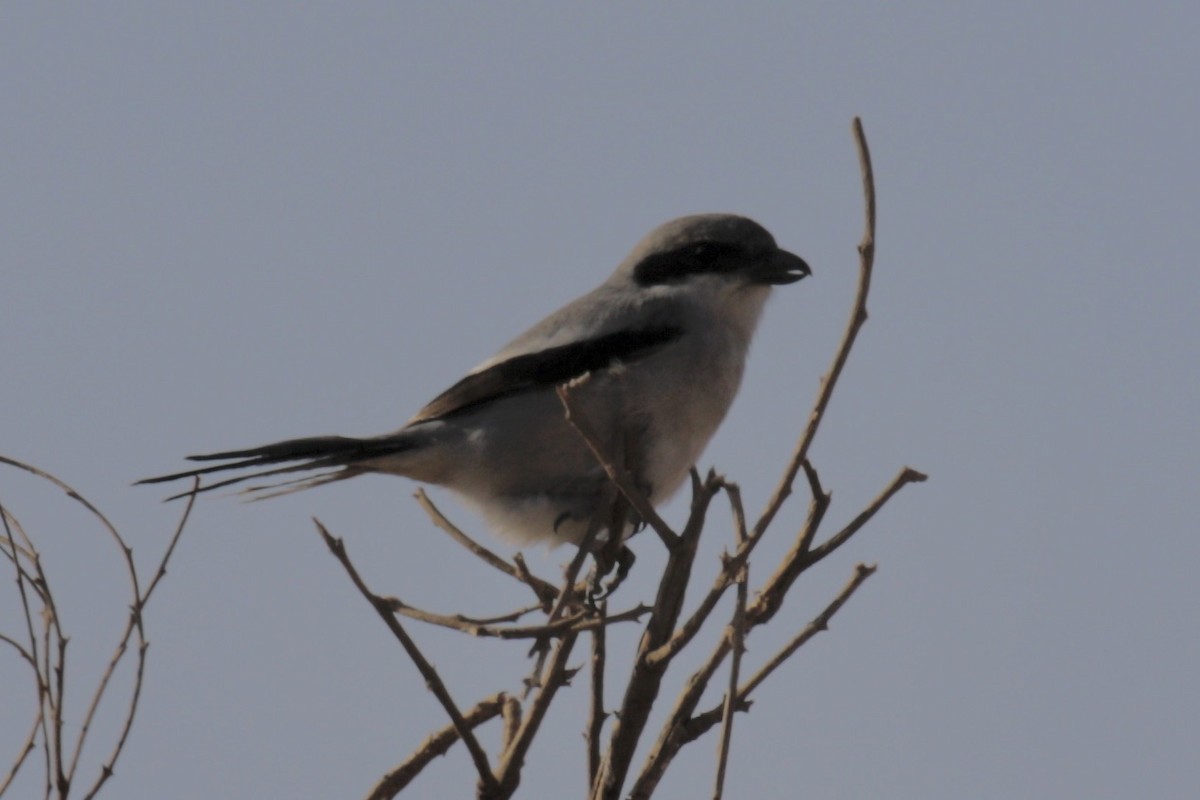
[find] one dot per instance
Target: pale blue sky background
(225, 224)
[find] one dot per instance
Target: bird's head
(730, 248)
(717, 260)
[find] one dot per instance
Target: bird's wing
(546, 368)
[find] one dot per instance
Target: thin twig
(701, 723)
(600, 519)
(616, 473)
(545, 591)
(162, 564)
(821, 623)
(555, 677)
(21, 651)
(734, 493)
(24, 579)
(512, 720)
(432, 680)
(663, 751)
(681, 727)
(817, 507)
(459, 622)
(770, 597)
(511, 616)
(596, 712)
(567, 594)
(907, 475)
(582, 620)
(50, 665)
(437, 744)
(737, 637)
(135, 621)
(866, 251)
(731, 567)
(27, 747)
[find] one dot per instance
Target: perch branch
(645, 680)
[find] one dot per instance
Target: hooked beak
(779, 268)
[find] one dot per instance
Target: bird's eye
(705, 252)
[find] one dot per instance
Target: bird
(656, 354)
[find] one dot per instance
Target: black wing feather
(545, 368)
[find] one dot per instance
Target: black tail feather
(291, 449)
(338, 453)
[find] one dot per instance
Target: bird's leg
(612, 553)
(625, 559)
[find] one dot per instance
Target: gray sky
(226, 224)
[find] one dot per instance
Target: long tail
(333, 458)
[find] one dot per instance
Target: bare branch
(731, 567)
(770, 597)
(437, 744)
(162, 564)
(646, 677)
(702, 723)
(734, 492)
(555, 677)
(577, 622)
(134, 623)
(821, 623)
(512, 721)
(617, 474)
(669, 741)
(609, 513)
(907, 475)
(27, 747)
(432, 680)
(15, 553)
(866, 251)
(545, 592)
(596, 713)
(817, 507)
(737, 642)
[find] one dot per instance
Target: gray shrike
(663, 342)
